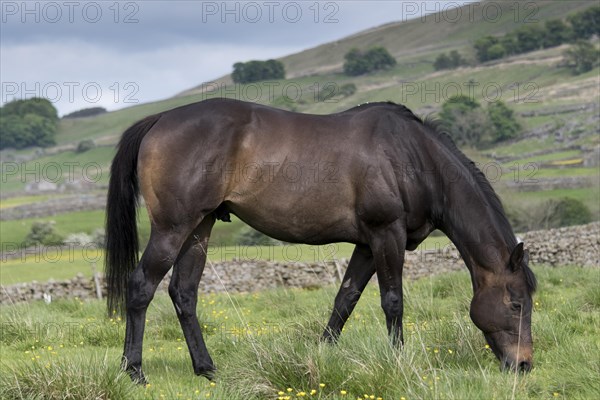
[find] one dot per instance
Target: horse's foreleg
(360, 270)
(388, 248)
(183, 290)
(157, 259)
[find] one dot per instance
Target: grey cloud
(166, 47)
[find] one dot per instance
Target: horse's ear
(518, 256)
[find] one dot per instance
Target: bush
(99, 237)
(442, 62)
(510, 44)
(585, 23)
(581, 57)
(503, 121)
(249, 236)
(329, 91)
(347, 89)
(529, 38)
(85, 145)
(375, 59)
(453, 60)
(570, 211)
(43, 233)
(496, 51)
(255, 71)
(79, 239)
(482, 46)
(464, 119)
(557, 33)
(553, 213)
(469, 124)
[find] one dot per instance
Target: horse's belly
(304, 221)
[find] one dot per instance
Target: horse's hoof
(137, 376)
(208, 373)
(329, 337)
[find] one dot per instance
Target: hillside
(556, 156)
(420, 40)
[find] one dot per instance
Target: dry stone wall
(579, 246)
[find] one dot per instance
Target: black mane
(479, 178)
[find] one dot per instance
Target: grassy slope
(269, 343)
(425, 38)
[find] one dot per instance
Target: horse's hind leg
(360, 269)
(159, 256)
(183, 290)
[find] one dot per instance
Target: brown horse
(375, 175)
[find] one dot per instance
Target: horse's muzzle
(521, 366)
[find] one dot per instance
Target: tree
(442, 62)
(529, 38)
(482, 45)
(581, 57)
(355, 64)
(509, 42)
(85, 145)
(464, 119)
(35, 105)
(469, 124)
(12, 128)
(553, 213)
(585, 23)
(359, 63)
(24, 123)
(496, 51)
(503, 122)
(557, 33)
(570, 211)
(347, 89)
(456, 60)
(453, 60)
(39, 130)
(380, 58)
(255, 71)
(43, 233)
(461, 102)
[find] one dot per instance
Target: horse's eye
(515, 306)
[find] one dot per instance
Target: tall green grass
(267, 343)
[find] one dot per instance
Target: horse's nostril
(525, 366)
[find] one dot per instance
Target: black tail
(121, 245)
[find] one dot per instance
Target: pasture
(266, 346)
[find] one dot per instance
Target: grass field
(266, 346)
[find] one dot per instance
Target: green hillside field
(266, 346)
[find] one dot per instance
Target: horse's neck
(476, 233)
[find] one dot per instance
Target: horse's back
(298, 177)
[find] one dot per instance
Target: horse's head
(501, 308)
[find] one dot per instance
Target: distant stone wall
(578, 245)
(82, 202)
(575, 245)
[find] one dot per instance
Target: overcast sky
(115, 54)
